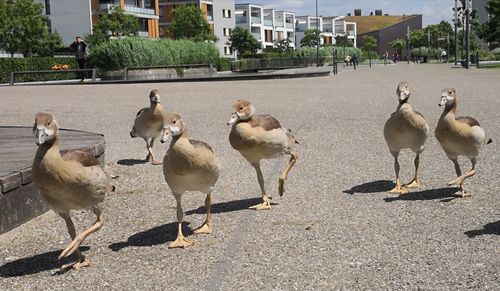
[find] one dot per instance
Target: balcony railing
(289, 25)
(268, 22)
(256, 20)
(143, 34)
(256, 35)
(128, 8)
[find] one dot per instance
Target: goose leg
(284, 175)
(81, 261)
(150, 149)
(461, 179)
(266, 201)
(397, 189)
(415, 183)
(205, 228)
(180, 241)
(149, 156)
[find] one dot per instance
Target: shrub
(7, 65)
(136, 52)
(224, 64)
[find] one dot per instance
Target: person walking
(79, 46)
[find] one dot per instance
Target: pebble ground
(336, 227)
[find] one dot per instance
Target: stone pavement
(336, 227)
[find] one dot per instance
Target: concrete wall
(220, 22)
(388, 34)
(70, 18)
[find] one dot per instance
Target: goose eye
(241, 108)
(48, 123)
(174, 121)
(449, 92)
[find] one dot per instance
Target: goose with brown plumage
(459, 136)
(148, 124)
(72, 181)
(258, 137)
(189, 165)
(405, 129)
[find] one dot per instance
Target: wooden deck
(19, 199)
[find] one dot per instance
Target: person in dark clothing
(79, 47)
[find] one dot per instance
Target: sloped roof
(371, 23)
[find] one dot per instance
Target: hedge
(136, 52)
(7, 65)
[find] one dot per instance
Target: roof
(371, 23)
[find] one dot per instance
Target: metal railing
(247, 65)
(15, 73)
(209, 66)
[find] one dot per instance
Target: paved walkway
(335, 227)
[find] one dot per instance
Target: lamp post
(317, 40)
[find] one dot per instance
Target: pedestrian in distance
(79, 46)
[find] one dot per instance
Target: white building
(329, 27)
(266, 25)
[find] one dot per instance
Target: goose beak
(40, 136)
(233, 119)
(165, 134)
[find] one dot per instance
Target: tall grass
(133, 52)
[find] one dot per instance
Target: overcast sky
(433, 11)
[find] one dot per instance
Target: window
(227, 51)
(47, 7)
(227, 31)
(226, 13)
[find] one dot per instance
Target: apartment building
(72, 18)
(218, 13)
(266, 25)
(329, 27)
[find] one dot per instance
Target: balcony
(268, 22)
(256, 20)
(138, 11)
(143, 34)
(289, 25)
(256, 35)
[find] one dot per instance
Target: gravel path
(336, 226)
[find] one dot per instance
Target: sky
(433, 11)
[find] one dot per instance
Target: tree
(283, 46)
(417, 38)
(369, 43)
(311, 38)
(114, 24)
(490, 30)
(243, 42)
(189, 23)
(23, 27)
(343, 41)
(398, 44)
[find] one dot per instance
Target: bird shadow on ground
(371, 187)
(35, 264)
(229, 206)
(154, 236)
(131, 162)
(446, 194)
(490, 228)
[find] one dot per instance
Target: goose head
(243, 110)
(173, 125)
(154, 96)
(403, 91)
(448, 97)
(45, 127)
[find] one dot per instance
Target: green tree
(398, 44)
(283, 46)
(490, 30)
(114, 24)
(343, 41)
(243, 42)
(23, 27)
(189, 23)
(369, 43)
(311, 38)
(417, 38)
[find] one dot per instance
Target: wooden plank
(10, 182)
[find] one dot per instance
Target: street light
(317, 40)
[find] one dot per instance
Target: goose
(148, 124)
(459, 136)
(188, 165)
(405, 128)
(72, 181)
(258, 137)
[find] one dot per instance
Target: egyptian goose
(72, 181)
(405, 128)
(148, 124)
(459, 136)
(188, 165)
(258, 137)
